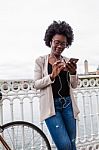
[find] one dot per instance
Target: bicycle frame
(4, 142)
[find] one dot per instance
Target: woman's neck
(56, 57)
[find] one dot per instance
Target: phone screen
(73, 60)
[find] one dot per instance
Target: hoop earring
(50, 43)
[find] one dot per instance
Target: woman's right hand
(56, 69)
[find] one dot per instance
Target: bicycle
(21, 135)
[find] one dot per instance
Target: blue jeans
(62, 126)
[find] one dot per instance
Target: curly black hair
(60, 27)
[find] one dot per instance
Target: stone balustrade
(20, 101)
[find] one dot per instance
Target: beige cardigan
(43, 82)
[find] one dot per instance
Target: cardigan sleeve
(40, 81)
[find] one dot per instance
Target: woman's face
(58, 44)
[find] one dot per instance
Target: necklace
(53, 56)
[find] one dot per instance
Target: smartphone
(75, 60)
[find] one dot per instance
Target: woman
(55, 76)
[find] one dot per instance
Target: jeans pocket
(57, 104)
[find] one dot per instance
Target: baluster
(21, 107)
(1, 111)
(97, 97)
(84, 116)
(31, 111)
(91, 117)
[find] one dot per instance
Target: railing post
(1, 109)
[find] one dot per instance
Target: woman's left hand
(71, 67)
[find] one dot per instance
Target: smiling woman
(55, 77)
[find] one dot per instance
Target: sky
(22, 28)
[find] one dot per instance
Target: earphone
(61, 97)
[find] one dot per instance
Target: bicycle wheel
(21, 135)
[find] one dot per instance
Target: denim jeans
(62, 126)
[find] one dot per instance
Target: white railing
(20, 101)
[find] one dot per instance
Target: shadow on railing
(20, 101)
